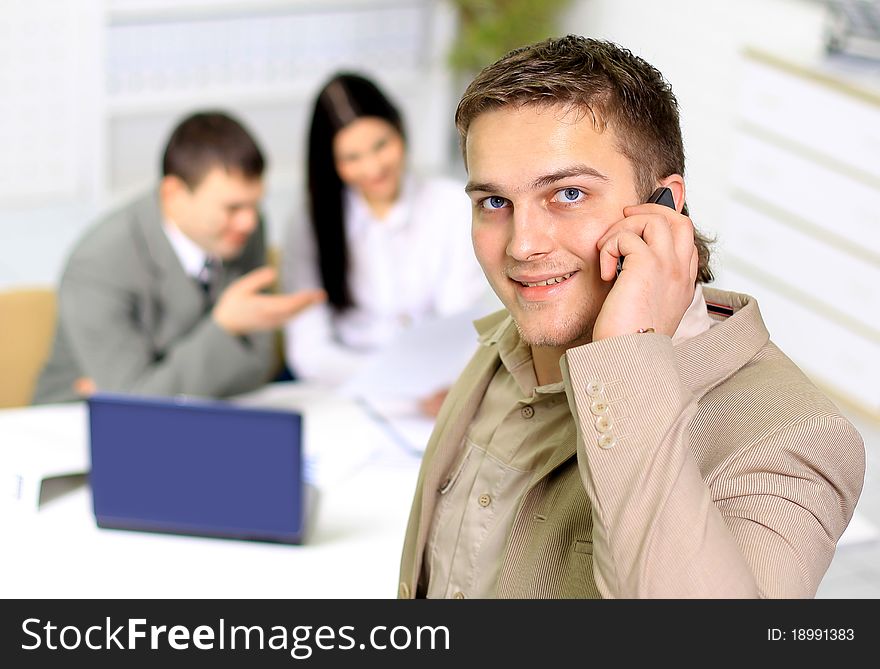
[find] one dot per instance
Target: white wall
(696, 44)
(90, 90)
(49, 53)
(699, 47)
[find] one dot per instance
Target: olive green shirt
(515, 431)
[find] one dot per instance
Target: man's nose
(245, 219)
(531, 236)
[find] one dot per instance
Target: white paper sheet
(40, 443)
(424, 359)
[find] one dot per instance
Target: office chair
(27, 325)
(281, 373)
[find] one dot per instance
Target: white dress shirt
(415, 263)
(192, 256)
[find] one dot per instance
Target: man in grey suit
(169, 294)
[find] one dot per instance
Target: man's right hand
(656, 286)
(243, 308)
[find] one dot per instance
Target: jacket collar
(705, 360)
(178, 291)
(148, 219)
(713, 356)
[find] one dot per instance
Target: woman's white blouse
(416, 263)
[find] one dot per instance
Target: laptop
(199, 467)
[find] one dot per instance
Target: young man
(167, 295)
(631, 435)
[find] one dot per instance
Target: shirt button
(595, 388)
(599, 407)
(603, 424)
(404, 591)
(607, 441)
(484, 500)
(458, 595)
(527, 411)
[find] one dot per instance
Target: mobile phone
(662, 195)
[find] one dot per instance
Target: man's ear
(675, 182)
(171, 188)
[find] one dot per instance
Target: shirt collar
(696, 319)
(516, 356)
(360, 218)
(704, 361)
(719, 348)
(191, 256)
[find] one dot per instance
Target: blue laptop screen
(196, 467)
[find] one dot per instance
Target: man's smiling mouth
(547, 282)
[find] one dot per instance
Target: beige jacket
(718, 470)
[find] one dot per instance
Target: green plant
(488, 29)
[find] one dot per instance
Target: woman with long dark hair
(389, 247)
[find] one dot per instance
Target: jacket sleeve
(101, 320)
(763, 523)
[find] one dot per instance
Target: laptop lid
(192, 466)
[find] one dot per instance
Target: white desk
(352, 551)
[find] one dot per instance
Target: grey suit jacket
(720, 471)
(132, 320)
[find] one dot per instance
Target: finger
(678, 222)
(653, 229)
(672, 237)
(650, 208)
(282, 307)
(657, 234)
(256, 280)
(306, 298)
(637, 224)
(295, 302)
(624, 244)
(84, 386)
(683, 235)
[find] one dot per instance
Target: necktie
(205, 278)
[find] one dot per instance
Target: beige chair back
(27, 325)
(273, 259)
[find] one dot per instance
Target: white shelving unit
(803, 231)
(47, 58)
(264, 61)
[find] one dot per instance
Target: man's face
(545, 186)
(219, 214)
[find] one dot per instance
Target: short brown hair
(205, 140)
(614, 86)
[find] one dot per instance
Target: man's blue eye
(569, 195)
(494, 202)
